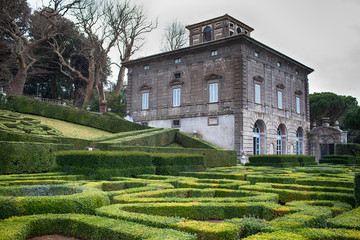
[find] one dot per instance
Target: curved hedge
(85, 202)
(108, 123)
(84, 227)
(196, 195)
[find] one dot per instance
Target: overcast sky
(321, 34)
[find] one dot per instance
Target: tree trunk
(120, 81)
(100, 92)
(16, 85)
(90, 80)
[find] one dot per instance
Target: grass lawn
(71, 129)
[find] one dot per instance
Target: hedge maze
(149, 183)
(318, 202)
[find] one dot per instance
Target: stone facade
(232, 91)
(323, 139)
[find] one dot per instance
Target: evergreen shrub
(357, 189)
(108, 123)
(27, 157)
(213, 157)
(104, 165)
(189, 141)
(350, 219)
(154, 138)
(347, 148)
(338, 159)
(274, 160)
(83, 227)
(173, 164)
(84, 200)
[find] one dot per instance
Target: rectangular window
(280, 100)
(213, 92)
(297, 105)
(256, 54)
(278, 64)
(177, 60)
(176, 97)
(176, 123)
(146, 67)
(257, 93)
(177, 75)
(213, 53)
(145, 101)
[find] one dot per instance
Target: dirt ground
(53, 237)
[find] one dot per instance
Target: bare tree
(131, 38)
(174, 37)
(102, 24)
(15, 20)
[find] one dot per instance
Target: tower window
(256, 54)
(177, 75)
(177, 60)
(238, 30)
(207, 34)
(278, 64)
(146, 67)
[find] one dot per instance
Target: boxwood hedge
(108, 123)
(84, 227)
(84, 202)
(27, 157)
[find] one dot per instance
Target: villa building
(226, 88)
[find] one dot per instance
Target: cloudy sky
(321, 34)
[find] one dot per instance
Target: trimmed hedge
(309, 234)
(286, 195)
(347, 148)
(196, 195)
(27, 157)
(205, 211)
(108, 123)
(213, 157)
(338, 159)
(281, 160)
(189, 141)
(84, 227)
(100, 159)
(85, 202)
(173, 164)
(107, 163)
(214, 175)
(213, 231)
(161, 137)
(357, 189)
(350, 219)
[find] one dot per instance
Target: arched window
(281, 140)
(256, 139)
(259, 137)
(207, 34)
(299, 141)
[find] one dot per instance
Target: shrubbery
(213, 157)
(357, 189)
(27, 157)
(84, 202)
(84, 227)
(104, 165)
(173, 164)
(338, 159)
(108, 123)
(281, 160)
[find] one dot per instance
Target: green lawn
(71, 129)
